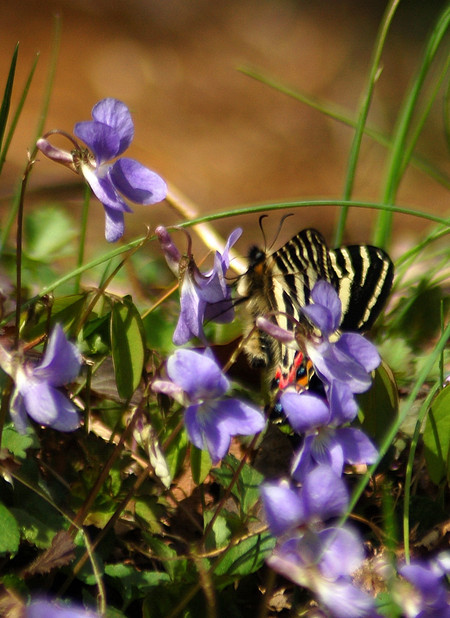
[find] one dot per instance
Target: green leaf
(436, 437)
(127, 346)
(148, 509)
(9, 532)
(379, 405)
(17, 443)
(200, 464)
(48, 232)
(220, 533)
(34, 529)
(246, 489)
(134, 584)
(247, 556)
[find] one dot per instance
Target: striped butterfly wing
(364, 276)
(281, 284)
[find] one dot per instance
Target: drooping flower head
(37, 393)
(203, 296)
(196, 381)
(107, 136)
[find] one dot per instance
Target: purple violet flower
(196, 381)
(325, 442)
(107, 136)
(46, 609)
(322, 496)
(351, 358)
(36, 387)
(203, 296)
(323, 562)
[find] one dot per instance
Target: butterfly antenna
(280, 225)
(261, 227)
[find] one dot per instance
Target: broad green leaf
(379, 405)
(179, 569)
(436, 437)
(17, 443)
(48, 232)
(220, 534)
(127, 346)
(148, 509)
(132, 583)
(200, 464)
(9, 532)
(246, 489)
(34, 529)
(247, 556)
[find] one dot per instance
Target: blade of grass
(225, 215)
(409, 467)
(15, 118)
(40, 125)
(6, 102)
(395, 166)
(363, 113)
(332, 111)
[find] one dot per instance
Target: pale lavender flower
(428, 596)
(47, 609)
(350, 358)
(37, 391)
(196, 381)
(203, 296)
(322, 496)
(323, 562)
(107, 136)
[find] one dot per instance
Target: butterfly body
(278, 285)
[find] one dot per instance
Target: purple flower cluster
(108, 135)
(312, 553)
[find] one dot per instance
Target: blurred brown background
(221, 137)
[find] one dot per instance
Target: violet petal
(304, 411)
(283, 507)
(115, 114)
(61, 362)
(356, 446)
(47, 406)
(100, 138)
(199, 376)
(137, 183)
(114, 224)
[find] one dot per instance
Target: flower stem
(19, 238)
(83, 229)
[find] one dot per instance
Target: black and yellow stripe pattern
(280, 284)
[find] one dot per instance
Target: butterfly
(280, 284)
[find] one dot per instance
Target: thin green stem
(83, 231)
(19, 236)
(362, 119)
